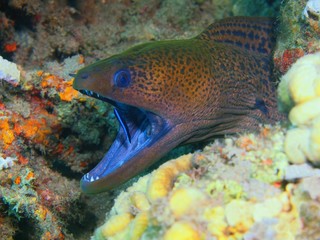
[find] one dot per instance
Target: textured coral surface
(234, 189)
(44, 148)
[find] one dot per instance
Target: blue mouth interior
(138, 129)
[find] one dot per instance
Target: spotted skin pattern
(216, 83)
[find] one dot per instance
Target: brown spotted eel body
(168, 93)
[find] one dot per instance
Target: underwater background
(254, 185)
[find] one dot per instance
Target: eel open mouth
(138, 129)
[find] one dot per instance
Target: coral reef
(64, 28)
(40, 130)
(255, 7)
(298, 33)
(6, 162)
(7, 42)
(23, 199)
(234, 189)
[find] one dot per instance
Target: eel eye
(122, 78)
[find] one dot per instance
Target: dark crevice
(80, 226)
(20, 17)
(26, 230)
(61, 56)
(64, 170)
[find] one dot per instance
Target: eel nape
(168, 93)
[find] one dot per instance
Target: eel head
(148, 127)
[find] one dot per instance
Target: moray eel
(167, 93)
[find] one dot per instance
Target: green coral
(290, 34)
(87, 125)
(255, 8)
(230, 189)
(21, 194)
(295, 30)
(175, 12)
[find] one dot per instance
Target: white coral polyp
(9, 71)
(313, 6)
(6, 162)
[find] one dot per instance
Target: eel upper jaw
(138, 130)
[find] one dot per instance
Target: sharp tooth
(98, 95)
(141, 138)
(123, 124)
(97, 178)
(149, 130)
(91, 92)
(91, 179)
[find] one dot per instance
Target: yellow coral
(315, 140)
(302, 81)
(127, 198)
(138, 226)
(161, 181)
(305, 112)
(302, 84)
(267, 209)
(114, 225)
(41, 213)
(239, 214)
(140, 201)
(217, 224)
(185, 200)
(289, 224)
(182, 231)
(297, 144)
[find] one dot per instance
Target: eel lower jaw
(138, 130)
